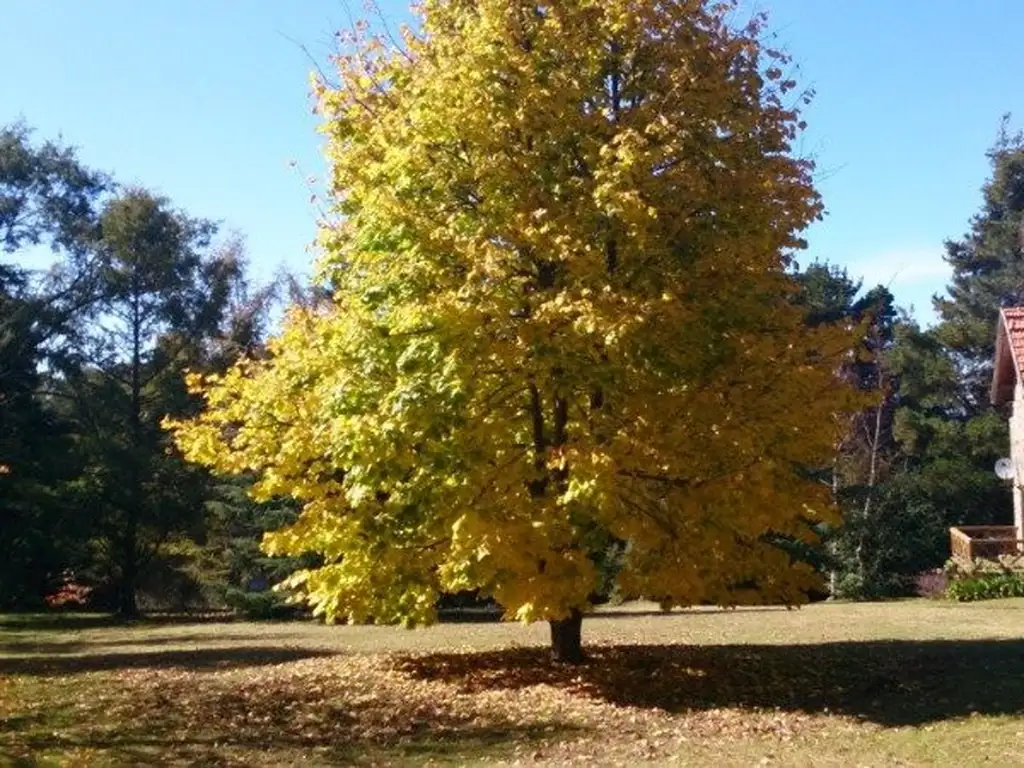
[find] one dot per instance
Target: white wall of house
(1017, 454)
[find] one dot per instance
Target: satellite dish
(1004, 469)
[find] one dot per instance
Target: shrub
(265, 605)
(932, 583)
(957, 570)
(70, 594)
(169, 583)
(989, 586)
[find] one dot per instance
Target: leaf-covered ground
(907, 683)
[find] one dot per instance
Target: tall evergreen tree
(161, 296)
(988, 273)
(35, 537)
(47, 199)
(946, 434)
(950, 433)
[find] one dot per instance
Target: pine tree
(47, 199)
(949, 431)
(161, 294)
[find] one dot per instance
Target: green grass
(915, 682)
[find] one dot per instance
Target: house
(1008, 387)
(988, 541)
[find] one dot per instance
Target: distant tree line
(93, 353)
(922, 460)
(96, 503)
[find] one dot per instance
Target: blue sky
(207, 102)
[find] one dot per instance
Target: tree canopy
(47, 198)
(92, 356)
(561, 321)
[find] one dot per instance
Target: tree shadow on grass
(193, 660)
(71, 620)
(656, 613)
(275, 721)
(336, 747)
(891, 683)
(80, 645)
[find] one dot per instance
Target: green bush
(266, 605)
(986, 587)
(1003, 564)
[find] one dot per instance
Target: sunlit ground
(907, 683)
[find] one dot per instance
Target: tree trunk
(127, 605)
(566, 641)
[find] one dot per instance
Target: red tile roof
(1009, 362)
(1013, 320)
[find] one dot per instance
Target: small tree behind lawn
(561, 324)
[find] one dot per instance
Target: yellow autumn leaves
(560, 323)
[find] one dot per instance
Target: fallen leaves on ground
(424, 706)
(252, 696)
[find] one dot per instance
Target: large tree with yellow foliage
(561, 322)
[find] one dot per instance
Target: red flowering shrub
(70, 593)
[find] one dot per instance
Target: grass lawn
(905, 683)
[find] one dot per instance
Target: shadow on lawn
(335, 747)
(79, 645)
(656, 613)
(192, 660)
(71, 620)
(887, 682)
